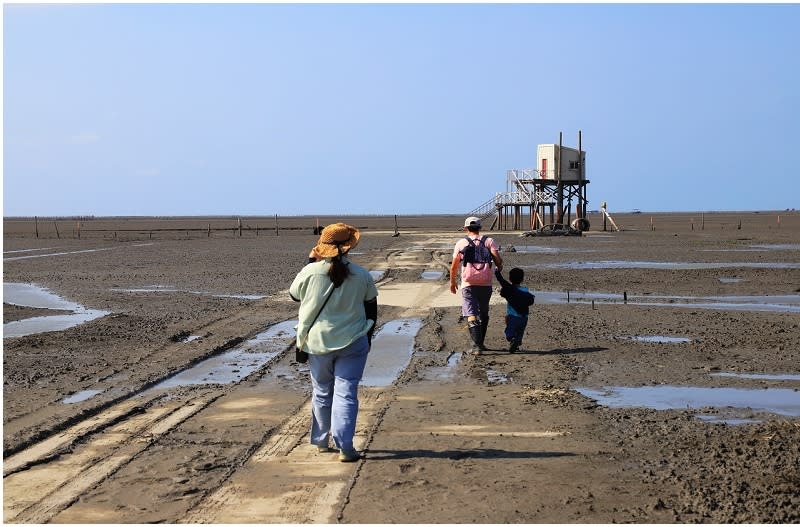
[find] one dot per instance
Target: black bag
(300, 356)
(476, 254)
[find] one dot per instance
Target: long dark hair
(338, 270)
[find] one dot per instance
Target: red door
(543, 173)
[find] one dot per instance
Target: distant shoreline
(345, 216)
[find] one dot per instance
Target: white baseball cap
(472, 221)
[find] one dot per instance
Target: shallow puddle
(671, 266)
(30, 295)
(778, 401)
(661, 339)
(31, 250)
(772, 303)
(432, 275)
(391, 351)
(444, 373)
(235, 365)
(29, 256)
(779, 246)
(725, 280)
(81, 396)
(496, 377)
(760, 376)
(170, 289)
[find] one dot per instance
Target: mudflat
(657, 382)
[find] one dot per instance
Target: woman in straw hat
(338, 310)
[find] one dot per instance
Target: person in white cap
(475, 254)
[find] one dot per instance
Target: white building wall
(547, 156)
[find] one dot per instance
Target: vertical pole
(56, 226)
(79, 229)
(702, 221)
(209, 231)
(240, 227)
(36, 225)
(580, 211)
(559, 184)
(779, 221)
(276, 226)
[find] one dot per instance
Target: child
(519, 300)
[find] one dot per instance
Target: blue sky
(262, 109)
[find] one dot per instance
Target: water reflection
(670, 266)
(391, 351)
(778, 401)
(661, 339)
(760, 376)
(771, 303)
(238, 363)
(30, 295)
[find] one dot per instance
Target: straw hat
(336, 239)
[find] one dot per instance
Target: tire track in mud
(39, 493)
(50, 475)
(314, 487)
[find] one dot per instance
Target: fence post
(276, 226)
(56, 226)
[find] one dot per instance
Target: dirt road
(183, 403)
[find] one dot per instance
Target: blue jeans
(515, 328)
(334, 403)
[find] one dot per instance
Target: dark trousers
(515, 328)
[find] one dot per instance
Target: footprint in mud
(410, 468)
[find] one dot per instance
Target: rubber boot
(475, 335)
(484, 329)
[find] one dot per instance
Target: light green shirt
(342, 319)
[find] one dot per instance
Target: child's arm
(503, 282)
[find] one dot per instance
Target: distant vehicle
(636, 211)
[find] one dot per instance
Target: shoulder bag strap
(318, 313)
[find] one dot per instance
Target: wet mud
(182, 403)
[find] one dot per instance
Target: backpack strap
(491, 258)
